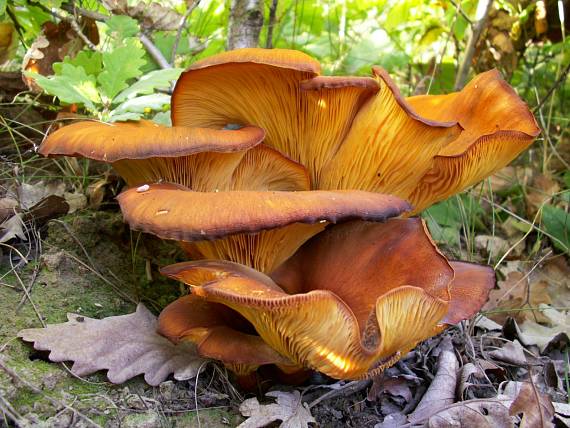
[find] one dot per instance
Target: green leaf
(72, 86)
(89, 60)
(2, 7)
(122, 26)
(119, 66)
(143, 104)
(556, 222)
(159, 79)
(162, 118)
(123, 117)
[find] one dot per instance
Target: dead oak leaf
(482, 413)
(533, 333)
(517, 291)
(441, 392)
(289, 410)
(125, 345)
(536, 407)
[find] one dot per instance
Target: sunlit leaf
(119, 66)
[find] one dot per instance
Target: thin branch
(72, 21)
(180, 28)
(476, 31)
(560, 80)
(271, 24)
(150, 47)
(153, 51)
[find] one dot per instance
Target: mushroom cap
(111, 142)
(351, 301)
(162, 209)
(218, 332)
(497, 124)
(305, 119)
(386, 138)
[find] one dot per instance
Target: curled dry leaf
(536, 407)
(12, 228)
(512, 353)
(441, 392)
(289, 410)
(126, 346)
(491, 413)
(533, 333)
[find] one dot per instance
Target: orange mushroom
(360, 133)
(345, 304)
(163, 209)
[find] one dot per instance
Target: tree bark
(246, 20)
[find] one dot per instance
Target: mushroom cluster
(264, 157)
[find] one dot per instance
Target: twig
(72, 21)
(476, 30)
(271, 24)
(150, 47)
(153, 51)
(180, 28)
(561, 79)
(345, 391)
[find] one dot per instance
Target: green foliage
(119, 66)
(122, 27)
(556, 222)
(72, 85)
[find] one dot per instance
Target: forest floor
(88, 262)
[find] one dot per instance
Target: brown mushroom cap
(351, 301)
(304, 119)
(470, 290)
(218, 332)
(110, 142)
(497, 124)
(162, 209)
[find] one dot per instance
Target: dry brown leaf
(31, 194)
(493, 246)
(441, 392)
(517, 291)
(12, 228)
(289, 410)
(512, 353)
(483, 413)
(8, 207)
(536, 407)
(125, 345)
(533, 333)
(541, 190)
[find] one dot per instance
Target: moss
(62, 285)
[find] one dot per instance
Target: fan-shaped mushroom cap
(389, 147)
(111, 142)
(162, 209)
(347, 302)
(303, 118)
(218, 332)
(295, 216)
(497, 127)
